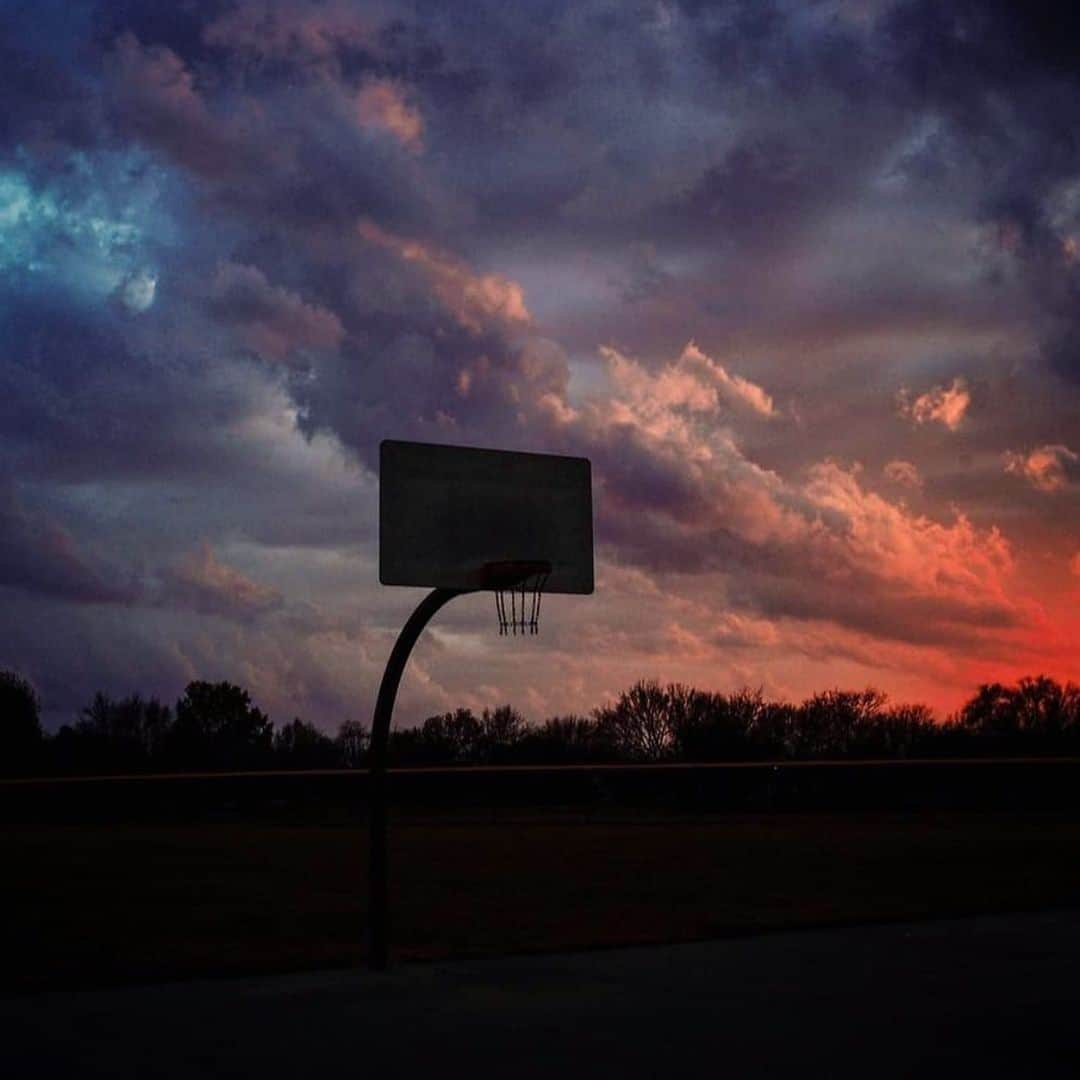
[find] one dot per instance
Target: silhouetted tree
(831, 723)
(991, 712)
(218, 727)
(564, 740)
(453, 737)
(501, 732)
(691, 716)
(352, 740)
(639, 725)
(302, 746)
(903, 731)
(1037, 715)
(712, 727)
(1044, 708)
(20, 725)
(121, 735)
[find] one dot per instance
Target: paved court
(990, 996)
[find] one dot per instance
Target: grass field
(92, 905)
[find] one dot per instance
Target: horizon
(886, 703)
(802, 283)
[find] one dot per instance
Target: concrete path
(992, 996)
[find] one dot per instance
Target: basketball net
(518, 607)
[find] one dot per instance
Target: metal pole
(378, 912)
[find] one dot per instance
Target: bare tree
(639, 724)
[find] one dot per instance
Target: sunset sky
(801, 279)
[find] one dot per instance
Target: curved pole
(378, 913)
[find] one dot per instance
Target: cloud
(1047, 468)
(201, 582)
(136, 292)
(903, 473)
(383, 106)
(732, 629)
(475, 300)
(907, 552)
(677, 493)
(761, 194)
(691, 386)
(314, 36)
(91, 395)
(733, 389)
(946, 405)
(845, 201)
(39, 555)
(154, 97)
(271, 320)
(82, 231)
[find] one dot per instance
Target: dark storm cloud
(303, 159)
(762, 191)
(39, 555)
(152, 97)
(273, 321)
(863, 605)
(77, 400)
(1006, 76)
(49, 97)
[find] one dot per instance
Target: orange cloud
(1047, 468)
(945, 405)
(473, 299)
(913, 551)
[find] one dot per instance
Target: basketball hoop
(444, 513)
(519, 589)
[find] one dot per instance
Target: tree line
(216, 726)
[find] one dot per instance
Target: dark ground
(985, 997)
(106, 904)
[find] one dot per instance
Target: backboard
(448, 512)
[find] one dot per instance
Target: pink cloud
(733, 389)
(692, 384)
(1048, 468)
(676, 489)
(946, 405)
(677, 408)
(733, 629)
(475, 300)
(202, 583)
(382, 105)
